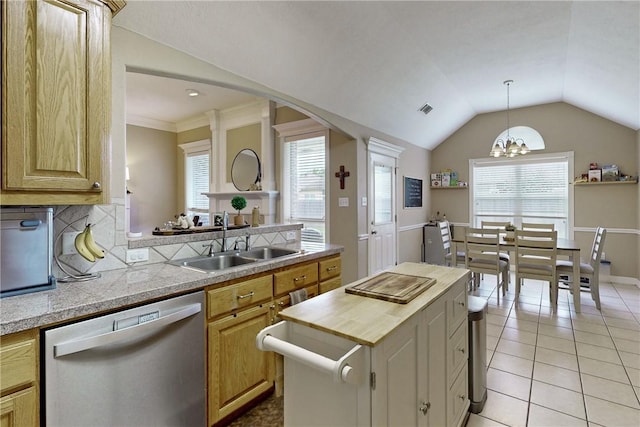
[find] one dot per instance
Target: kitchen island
(375, 362)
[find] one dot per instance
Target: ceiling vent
(426, 108)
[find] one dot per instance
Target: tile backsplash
(109, 233)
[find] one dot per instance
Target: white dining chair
(588, 269)
(482, 256)
(445, 232)
(501, 226)
(536, 256)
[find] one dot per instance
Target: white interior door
(382, 229)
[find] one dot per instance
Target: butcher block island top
(368, 320)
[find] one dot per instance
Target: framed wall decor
(412, 192)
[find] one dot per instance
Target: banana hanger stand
(85, 246)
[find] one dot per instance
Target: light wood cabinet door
(18, 360)
(238, 371)
(19, 409)
(56, 101)
(19, 379)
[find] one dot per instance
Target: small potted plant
(238, 203)
(511, 232)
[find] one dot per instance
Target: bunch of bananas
(86, 246)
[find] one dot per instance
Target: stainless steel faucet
(225, 225)
(239, 240)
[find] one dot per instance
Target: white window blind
(305, 189)
(197, 182)
(528, 190)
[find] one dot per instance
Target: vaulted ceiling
(377, 63)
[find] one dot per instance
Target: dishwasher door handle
(83, 344)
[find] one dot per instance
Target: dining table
(565, 247)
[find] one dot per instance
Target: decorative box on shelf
(595, 175)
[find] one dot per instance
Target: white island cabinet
(358, 361)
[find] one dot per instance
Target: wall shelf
(606, 182)
(449, 188)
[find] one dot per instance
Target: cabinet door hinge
(373, 381)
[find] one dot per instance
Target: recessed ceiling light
(192, 92)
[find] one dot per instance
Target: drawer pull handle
(297, 279)
(461, 350)
(281, 304)
(249, 295)
(333, 267)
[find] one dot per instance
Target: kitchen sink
(267, 253)
(225, 260)
(213, 263)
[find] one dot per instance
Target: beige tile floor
(563, 368)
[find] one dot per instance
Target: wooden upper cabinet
(56, 102)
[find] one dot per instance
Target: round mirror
(245, 170)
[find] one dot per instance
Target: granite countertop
(126, 287)
(365, 320)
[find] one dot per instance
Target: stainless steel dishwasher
(144, 366)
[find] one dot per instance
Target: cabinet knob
(461, 303)
(96, 185)
(462, 397)
(424, 407)
(297, 279)
(461, 350)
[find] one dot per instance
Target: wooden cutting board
(393, 287)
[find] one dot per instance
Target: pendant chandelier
(512, 146)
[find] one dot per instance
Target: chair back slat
(597, 248)
(501, 225)
(537, 227)
(446, 235)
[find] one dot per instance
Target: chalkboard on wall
(412, 192)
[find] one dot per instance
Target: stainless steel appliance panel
(140, 367)
(26, 250)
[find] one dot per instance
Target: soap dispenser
(255, 216)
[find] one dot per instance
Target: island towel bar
(345, 369)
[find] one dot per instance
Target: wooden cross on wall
(342, 175)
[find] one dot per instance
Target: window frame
(286, 183)
(297, 130)
(190, 149)
(528, 159)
